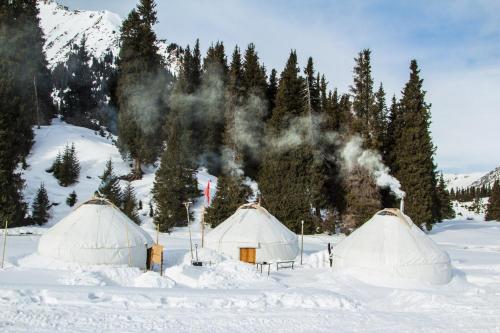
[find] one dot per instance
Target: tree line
(287, 131)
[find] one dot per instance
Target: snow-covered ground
(93, 152)
(41, 295)
(38, 294)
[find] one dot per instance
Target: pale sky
(456, 43)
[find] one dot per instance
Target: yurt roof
(391, 242)
(96, 223)
(252, 224)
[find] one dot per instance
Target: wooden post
(157, 233)
(187, 203)
(161, 264)
(203, 227)
(4, 240)
(302, 241)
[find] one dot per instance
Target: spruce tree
(23, 67)
(141, 90)
(129, 203)
(363, 97)
(66, 167)
(233, 101)
(379, 121)
(41, 205)
(444, 200)
(272, 89)
(414, 153)
(394, 127)
(209, 128)
(175, 183)
(78, 104)
(493, 208)
(151, 210)
(284, 178)
(110, 185)
(71, 199)
(230, 194)
(251, 116)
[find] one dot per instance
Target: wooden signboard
(156, 256)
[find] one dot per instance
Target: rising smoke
(353, 154)
(207, 106)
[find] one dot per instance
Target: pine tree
(175, 183)
(129, 204)
(413, 152)
(23, 67)
(393, 133)
(66, 167)
(209, 132)
(444, 200)
(78, 104)
(272, 89)
(364, 99)
(230, 194)
(71, 199)
(254, 111)
(493, 208)
(151, 210)
(379, 121)
(41, 205)
(141, 89)
(234, 100)
(110, 185)
(318, 145)
(284, 178)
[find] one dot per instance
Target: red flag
(206, 192)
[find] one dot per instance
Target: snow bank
(217, 272)
(153, 280)
(319, 259)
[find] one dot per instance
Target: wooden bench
(262, 264)
(285, 264)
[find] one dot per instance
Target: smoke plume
(353, 154)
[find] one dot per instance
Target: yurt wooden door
(247, 254)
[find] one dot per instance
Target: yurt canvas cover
(389, 245)
(253, 227)
(97, 232)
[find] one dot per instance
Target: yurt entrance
(247, 254)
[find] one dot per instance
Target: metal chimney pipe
(402, 205)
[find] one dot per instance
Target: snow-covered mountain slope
(488, 179)
(64, 27)
(461, 180)
(93, 152)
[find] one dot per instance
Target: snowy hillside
(93, 152)
(64, 27)
(488, 179)
(461, 180)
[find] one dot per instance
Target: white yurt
(252, 235)
(390, 247)
(97, 233)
